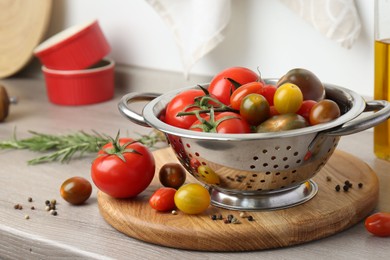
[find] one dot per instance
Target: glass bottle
(382, 74)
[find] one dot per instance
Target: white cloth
(336, 19)
(197, 25)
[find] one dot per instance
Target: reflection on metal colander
(253, 166)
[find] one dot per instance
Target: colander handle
(357, 125)
(132, 115)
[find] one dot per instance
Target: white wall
(261, 33)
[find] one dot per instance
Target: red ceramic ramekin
(80, 87)
(77, 47)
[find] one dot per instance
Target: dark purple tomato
(311, 87)
(324, 111)
(76, 190)
(172, 175)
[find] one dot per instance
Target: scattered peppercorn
(29, 199)
(18, 206)
(32, 207)
(47, 202)
(250, 218)
(328, 178)
(219, 217)
(360, 185)
(337, 188)
(242, 215)
(346, 188)
(214, 217)
(174, 212)
(53, 212)
(235, 221)
(348, 183)
(27, 217)
(47, 208)
(229, 218)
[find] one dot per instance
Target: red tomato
(305, 108)
(239, 94)
(222, 88)
(178, 104)
(378, 224)
(123, 177)
(268, 92)
(225, 122)
(163, 199)
(273, 111)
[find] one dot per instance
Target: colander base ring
(266, 201)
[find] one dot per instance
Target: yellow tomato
(288, 98)
(192, 198)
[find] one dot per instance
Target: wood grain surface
(329, 212)
(23, 25)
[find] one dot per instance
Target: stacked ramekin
(74, 66)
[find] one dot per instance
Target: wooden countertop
(81, 232)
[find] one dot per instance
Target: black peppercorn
(348, 183)
(337, 188)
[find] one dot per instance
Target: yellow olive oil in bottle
(381, 92)
(382, 74)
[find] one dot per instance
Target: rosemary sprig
(64, 147)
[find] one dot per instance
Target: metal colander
(259, 171)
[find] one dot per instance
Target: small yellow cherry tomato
(192, 198)
(288, 98)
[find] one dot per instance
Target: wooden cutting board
(329, 212)
(23, 24)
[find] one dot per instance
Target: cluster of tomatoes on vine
(238, 100)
